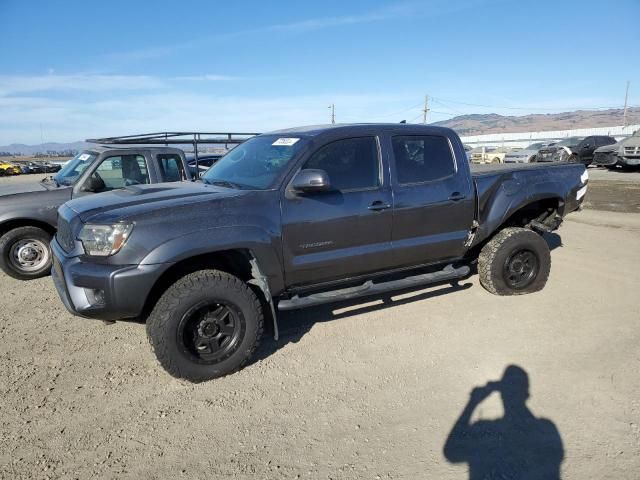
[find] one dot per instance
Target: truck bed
(478, 170)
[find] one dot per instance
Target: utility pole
(426, 109)
(624, 115)
(333, 113)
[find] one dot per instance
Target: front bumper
(629, 161)
(101, 291)
(605, 158)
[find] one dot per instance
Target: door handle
(456, 197)
(379, 205)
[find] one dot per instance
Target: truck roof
(348, 128)
(102, 148)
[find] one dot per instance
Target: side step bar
(371, 288)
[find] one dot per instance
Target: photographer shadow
(516, 446)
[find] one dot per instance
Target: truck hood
(139, 200)
(25, 188)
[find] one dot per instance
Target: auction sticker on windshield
(84, 156)
(287, 142)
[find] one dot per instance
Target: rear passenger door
(343, 232)
(433, 201)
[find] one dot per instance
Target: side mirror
(93, 184)
(311, 180)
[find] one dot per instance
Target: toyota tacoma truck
(302, 217)
(29, 211)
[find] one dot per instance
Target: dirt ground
(360, 390)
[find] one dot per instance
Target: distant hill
(29, 150)
(478, 124)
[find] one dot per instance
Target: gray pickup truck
(300, 217)
(29, 211)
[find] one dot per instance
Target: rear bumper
(103, 292)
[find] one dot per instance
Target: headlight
(104, 240)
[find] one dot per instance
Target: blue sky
(82, 69)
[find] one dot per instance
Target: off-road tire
(573, 158)
(24, 233)
(163, 323)
(496, 254)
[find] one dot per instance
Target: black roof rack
(178, 138)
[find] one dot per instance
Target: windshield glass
(74, 168)
(254, 164)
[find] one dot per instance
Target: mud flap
(260, 281)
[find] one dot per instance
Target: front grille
(632, 150)
(64, 235)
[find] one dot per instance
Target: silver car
(528, 155)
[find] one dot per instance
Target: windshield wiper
(224, 183)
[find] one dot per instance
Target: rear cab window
(171, 167)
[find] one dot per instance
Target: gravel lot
(361, 390)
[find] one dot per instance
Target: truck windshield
(74, 168)
(254, 164)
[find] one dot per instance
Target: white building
(522, 139)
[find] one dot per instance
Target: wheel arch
(240, 262)
(14, 223)
(542, 208)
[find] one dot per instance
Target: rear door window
(422, 158)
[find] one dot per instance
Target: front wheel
(206, 325)
(514, 262)
(25, 253)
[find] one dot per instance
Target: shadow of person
(516, 446)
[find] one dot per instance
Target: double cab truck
(301, 217)
(29, 211)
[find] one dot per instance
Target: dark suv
(583, 151)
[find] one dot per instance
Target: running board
(371, 288)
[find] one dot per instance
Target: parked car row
(598, 149)
(9, 168)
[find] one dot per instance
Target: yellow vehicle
(7, 168)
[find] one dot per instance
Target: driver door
(343, 232)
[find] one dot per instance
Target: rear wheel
(514, 262)
(206, 325)
(25, 253)
(495, 160)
